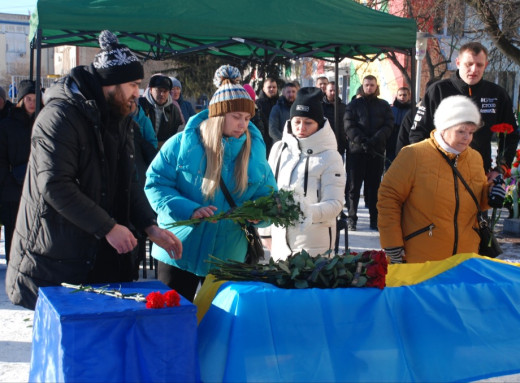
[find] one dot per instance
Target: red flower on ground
(172, 298)
(502, 128)
(155, 300)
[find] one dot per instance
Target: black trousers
(368, 169)
(182, 281)
(111, 267)
(8, 211)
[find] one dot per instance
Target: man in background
(400, 108)
(267, 98)
(368, 122)
(280, 112)
(157, 104)
(492, 100)
(321, 82)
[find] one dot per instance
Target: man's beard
(118, 107)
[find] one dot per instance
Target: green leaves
(278, 208)
(303, 271)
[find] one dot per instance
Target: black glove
(365, 145)
(497, 194)
(377, 144)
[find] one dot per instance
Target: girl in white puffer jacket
(307, 161)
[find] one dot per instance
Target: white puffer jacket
(313, 168)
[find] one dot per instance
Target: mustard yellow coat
(421, 208)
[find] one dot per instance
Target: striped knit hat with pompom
(116, 64)
(230, 95)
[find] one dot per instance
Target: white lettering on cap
(302, 108)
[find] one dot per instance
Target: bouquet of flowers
(279, 208)
(303, 271)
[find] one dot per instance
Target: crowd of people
(102, 169)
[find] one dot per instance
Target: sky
(22, 7)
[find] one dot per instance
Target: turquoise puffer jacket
(173, 187)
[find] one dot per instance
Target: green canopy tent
(251, 29)
(267, 31)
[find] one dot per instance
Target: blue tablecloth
(461, 325)
(87, 337)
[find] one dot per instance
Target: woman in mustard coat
(425, 212)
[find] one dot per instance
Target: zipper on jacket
(428, 228)
(306, 176)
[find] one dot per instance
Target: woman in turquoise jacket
(183, 182)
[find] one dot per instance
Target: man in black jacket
(80, 196)
(368, 122)
(400, 108)
(328, 112)
(280, 112)
(266, 100)
(157, 104)
(492, 100)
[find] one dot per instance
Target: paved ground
(16, 322)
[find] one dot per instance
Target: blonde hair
(211, 131)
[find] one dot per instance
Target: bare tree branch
(493, 30)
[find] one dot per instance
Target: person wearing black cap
(306, 160)
(80, 196)
(157, 104)
(15, 145)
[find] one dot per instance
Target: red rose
(172, 298)
(379, 282)
(376, 269)
(155, 300)
(502, 128)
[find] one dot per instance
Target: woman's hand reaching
(204, 212)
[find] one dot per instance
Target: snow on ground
(16, 322)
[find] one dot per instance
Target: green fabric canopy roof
(258, 30)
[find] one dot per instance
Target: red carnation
(172, 298)
(502, 128)
(155, 300)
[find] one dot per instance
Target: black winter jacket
(265, 104)
(278, 117)
(339, 131)
(368, 124)
(80, 182)
(4, 113)
(495, 107)
(15, 146)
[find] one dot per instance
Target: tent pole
(31, 61)
(38, 84)
(337, 116)
(413, 78)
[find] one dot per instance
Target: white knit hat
(456, 110)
